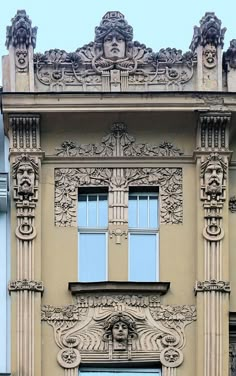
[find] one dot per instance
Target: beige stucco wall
(177, 242)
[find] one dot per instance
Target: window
(120, 372)
(143, 237)
(92, 237)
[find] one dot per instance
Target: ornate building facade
(123, 203)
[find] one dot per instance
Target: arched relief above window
(119, 322)
(118, 181)
(118, 143)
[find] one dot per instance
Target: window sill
(159, 288)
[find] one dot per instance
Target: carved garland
(118, 180)
(119, 327)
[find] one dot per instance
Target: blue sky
(68, 24)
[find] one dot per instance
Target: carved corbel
(24, 131)
(213, 131)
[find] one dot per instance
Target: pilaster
(230, 65)
(212, 286)
(20, 41)
(26, 286)
(207, 43)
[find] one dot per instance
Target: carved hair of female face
(120, 327)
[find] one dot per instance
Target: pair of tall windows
(143, 249)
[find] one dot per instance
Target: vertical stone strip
(25, 288)
(21, 41)
(213, 155)
(207, 43)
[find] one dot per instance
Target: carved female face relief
(120, 331)
(114, 46)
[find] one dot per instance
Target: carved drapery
(213, 154)
(89, 330)
(169, 181)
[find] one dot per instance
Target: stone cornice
(159, 288)
(108, 102)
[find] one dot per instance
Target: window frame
(92, 230)
(145, 231)
(121, 369)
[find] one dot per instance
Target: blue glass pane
(143, 212)
(153, 212)
(133, 215)
(92, 257)
(142, 257)
(102, 211)
(82, 211)
(92, 210)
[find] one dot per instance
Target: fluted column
(212, 287)
(26, 287)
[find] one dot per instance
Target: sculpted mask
(210, 56)
(113, 35)
(25, 178)
(25, 171)
(214, 177)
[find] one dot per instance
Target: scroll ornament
(119, 327)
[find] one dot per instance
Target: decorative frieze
(121, 327)
(98, 66)
(118, 143)
(212, 285)
(24, 133)
(67, 181)
(25, 284)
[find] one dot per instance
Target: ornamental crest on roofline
(114, 62)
